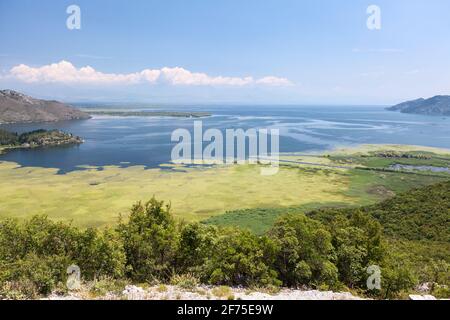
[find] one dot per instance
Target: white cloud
(274, 81)
(66, 72)
(180, 76)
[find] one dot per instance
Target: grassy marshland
(95, 196)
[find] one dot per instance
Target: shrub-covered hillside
(327, 249)
(419, 214)
(416, 215)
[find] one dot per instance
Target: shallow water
(128, 141)
(419, 168)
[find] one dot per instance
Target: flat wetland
(96, 196)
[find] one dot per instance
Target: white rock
(420, 297)
(424, 287)
(134, 293)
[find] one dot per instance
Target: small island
(37, 138)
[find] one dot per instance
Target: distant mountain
(436, 106)
(16, 107)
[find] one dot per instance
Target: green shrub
(36, 254)
(185, 281)
(441, 292)
(397, 276)
(357, 241)
(32, 275)
(105, 285)
(328, 249)
(100, 254)
(150, 240)
(304, 254)
(18, 290)
(162, 288)
(197, 244)
(241, 258)
(8, 138)
(222, 291)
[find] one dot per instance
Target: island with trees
(37, 138)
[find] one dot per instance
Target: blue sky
(227, 51)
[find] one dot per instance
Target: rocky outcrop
(16, 107)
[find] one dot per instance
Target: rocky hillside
(16, 107)
(436, 106)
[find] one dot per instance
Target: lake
(128, 141)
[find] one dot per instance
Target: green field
(96, 196)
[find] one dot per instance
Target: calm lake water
(126, 141)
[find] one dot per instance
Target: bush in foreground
(324, 250)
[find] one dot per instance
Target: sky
(226, 51)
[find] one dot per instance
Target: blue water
(126, 141)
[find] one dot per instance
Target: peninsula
(435, 106)
(16, 107)
(176, 114)
(37, 138)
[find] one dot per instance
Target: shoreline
(285, 158)
(201, 192)
(46, 121)
(168, 114)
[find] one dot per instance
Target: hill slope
(435, 106)
(16, 107)
(421, 214)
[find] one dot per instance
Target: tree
(196, 245)
(357, 239)
(396, 276)
(305, 254)
(150, 240)
(100, 253)
(241, 258)
(8, 138)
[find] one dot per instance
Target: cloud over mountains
(65, 72)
